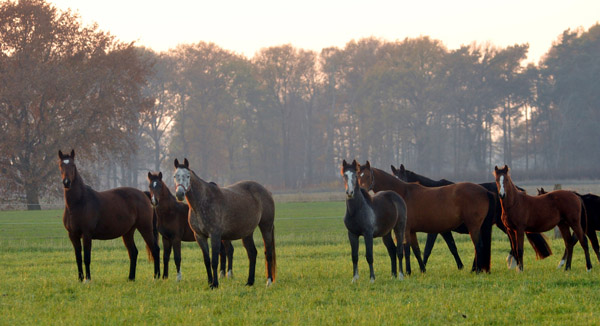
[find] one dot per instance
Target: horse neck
(386, 181)
(512, 194)
(76, 192)
(166, 201)
(199, 190)
(425, 181)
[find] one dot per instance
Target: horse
(104, 215)
(591, 203)
(537, 240)
(172, 224)
(523, 213)
(436, 210)
(228, 213)
(372, 218)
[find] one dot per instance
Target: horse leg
(248, 242)
(520, 239)
(222, 259)
(132, 251)
(151, 240)
(584, 244)
(369, 254)
(167, 244)
(391, 249)
(477, 244)
(414, 243)
(353, 238)
(431, 237)
(268, 234)
(399, 249)
(594, 241)
(76, 241)
(177, 257)
(566, 235)
(203, 243)
(451, 245)
(215, 242)
(229, 250)
(87, 255)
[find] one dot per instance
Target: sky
(247, 26)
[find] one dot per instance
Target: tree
(62, 85)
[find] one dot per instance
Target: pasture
(40, 286)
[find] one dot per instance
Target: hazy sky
(247, 26)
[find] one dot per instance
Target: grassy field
(39, 281)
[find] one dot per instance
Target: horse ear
(186, 164)
(159, 175)
(496, 168)
(60, 154)
(393, 169)
(176, 163)
(402, 168)
(505, 168)
(73, 154)
(368, 165)
(149, 175)
(344, 163)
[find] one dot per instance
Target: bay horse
(228, 213)
(372, 218)
(523, 213)
(537, 240)
(104, 215)
(436, 210)
(591, 203)
(173, 225)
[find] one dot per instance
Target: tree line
(287, 116)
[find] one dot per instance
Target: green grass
(39, 281)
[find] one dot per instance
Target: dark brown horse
(172, 224)
(104, 215)
(591, 203)
(372, 218)
(523, 213)
(537, 240)
(228, 213)
(436, 210)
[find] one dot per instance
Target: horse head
(182, 178)
(68, 170)
(541, 191)
(403, 174)
(155, 185)
(348, 172)
(366, 179)
(501, 176)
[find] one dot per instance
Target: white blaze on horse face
(66, 161)
(501, 191)
(350, 182)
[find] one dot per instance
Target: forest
(285, 117)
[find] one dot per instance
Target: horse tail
(583, 215)
(273, 256)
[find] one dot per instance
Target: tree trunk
(32, 197)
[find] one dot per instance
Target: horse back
(543, 212)
(244, 205)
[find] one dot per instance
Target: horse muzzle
(66, 183)
(349, 194)
(180, 192)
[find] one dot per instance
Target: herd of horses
(403, 203)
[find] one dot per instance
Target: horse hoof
(561, 263)
(249, 284)
(269, 282)
(511, 262)
(179, 277)
(372, 280)
(222, 274)
(589, 270)
(355, 278)
(230, 274)
(401, 277)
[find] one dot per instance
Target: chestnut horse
(172, 224)
(372, 218)
(537, 240)
(436, 210)
(104, 215)
(228, 213)
(591, 203)
(523, 213)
